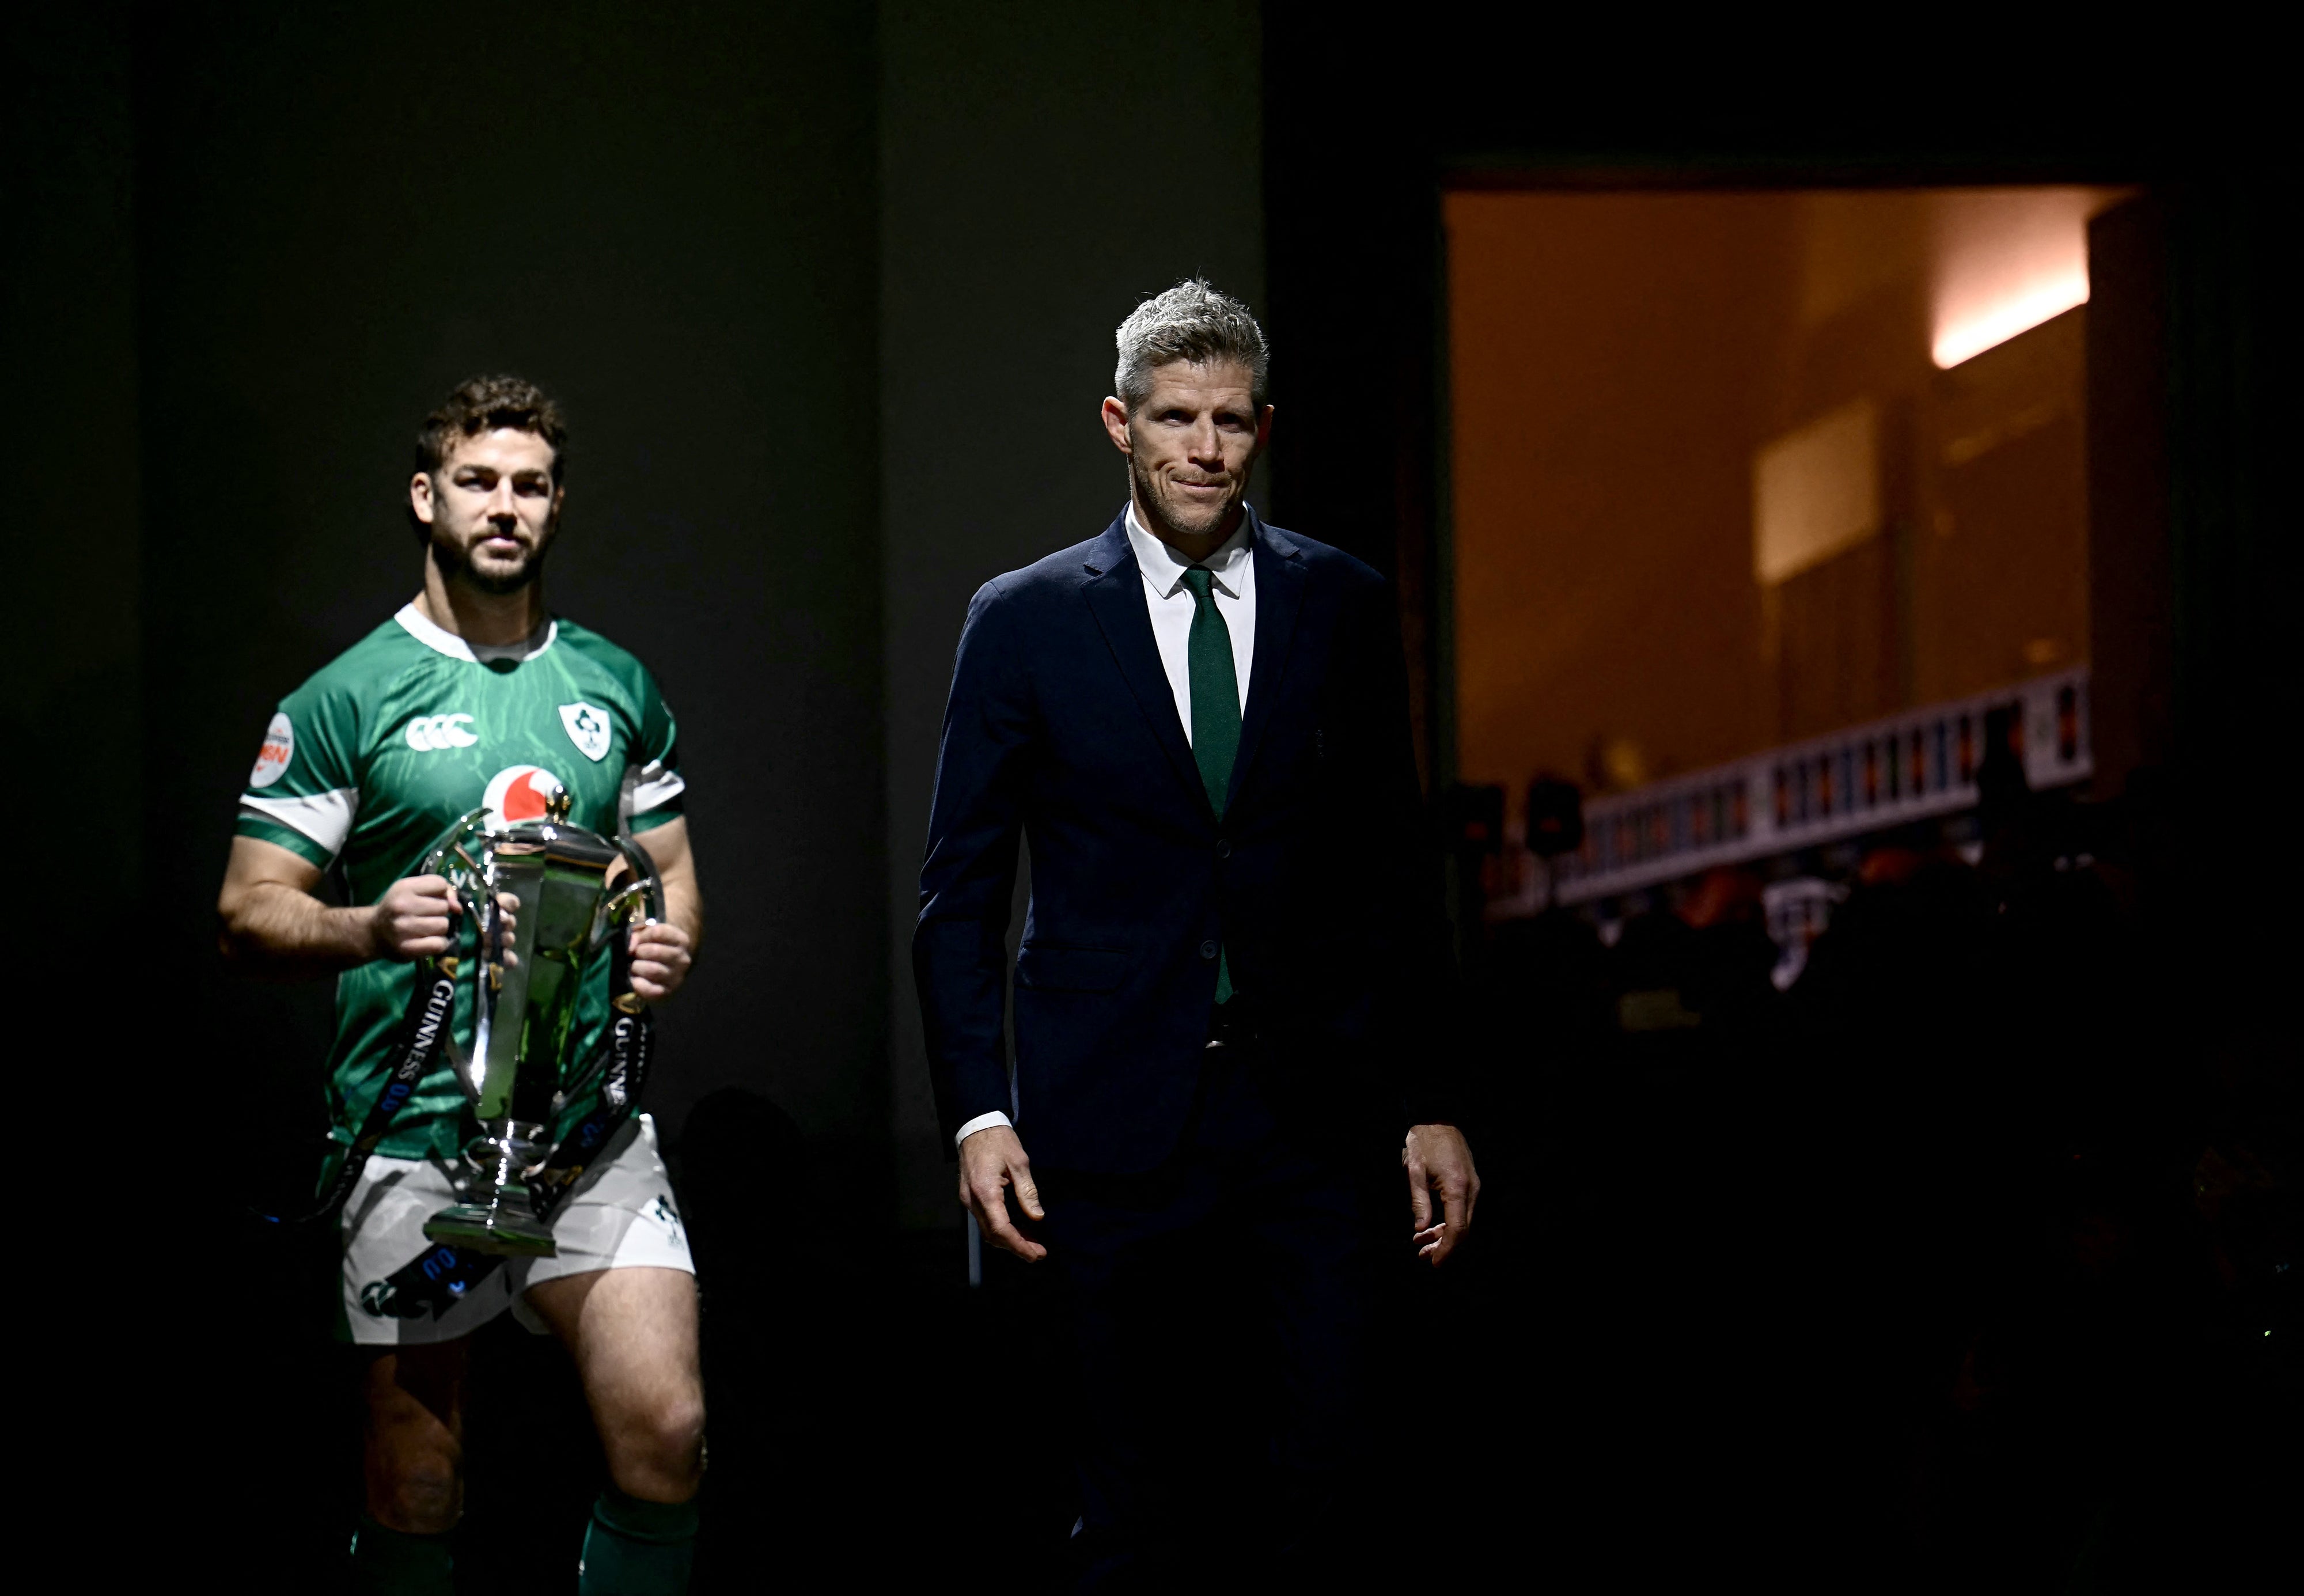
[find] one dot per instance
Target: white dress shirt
(1169, 601)
(1233, 584)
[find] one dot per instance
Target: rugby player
(474, 694)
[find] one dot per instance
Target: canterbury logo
(427, 732)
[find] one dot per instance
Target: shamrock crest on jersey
(587, 728)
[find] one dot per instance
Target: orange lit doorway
(1730, 475)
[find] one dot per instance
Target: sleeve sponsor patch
(273, 758)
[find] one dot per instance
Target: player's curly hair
(483, 404)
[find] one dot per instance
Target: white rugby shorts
(621, 1215)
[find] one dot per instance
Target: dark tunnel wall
(68, 427)
(1029, 199)
(665, 216)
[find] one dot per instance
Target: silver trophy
(519, 1007)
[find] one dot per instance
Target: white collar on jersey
(439, 639)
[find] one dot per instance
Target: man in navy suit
(1227, 1013)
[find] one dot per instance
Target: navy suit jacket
(1318, 879)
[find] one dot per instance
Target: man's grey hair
(1192, 322)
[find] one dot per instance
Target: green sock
(633, 1547)
(393, 1562)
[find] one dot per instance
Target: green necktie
(1215, 712)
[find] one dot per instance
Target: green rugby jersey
(370, 760)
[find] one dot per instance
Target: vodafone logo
(428, 733)
(519, 793)
(272, 759)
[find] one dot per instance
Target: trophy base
(498, 1214)
(487, 1229)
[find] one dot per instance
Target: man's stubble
(1187, 518)
(456, 565)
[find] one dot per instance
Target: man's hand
(411, 920)
(1436, 1156)
(991, 1160)
(661, 955)
(663, 950)
(414, 920)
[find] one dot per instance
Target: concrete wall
(1042, 167)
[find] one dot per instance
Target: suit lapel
(1280, 573)
(1116, 597)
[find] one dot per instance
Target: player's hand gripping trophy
(518, 1006)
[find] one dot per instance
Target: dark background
(827, 292)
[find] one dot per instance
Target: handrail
(1909, 766)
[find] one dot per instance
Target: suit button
(1207, 949)
(1223, 849)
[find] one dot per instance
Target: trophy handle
(644, 891)
(450, 842)
(445, 857)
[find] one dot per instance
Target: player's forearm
(683, 906)
(276, 930)
(675, 873)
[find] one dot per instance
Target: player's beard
(456, 566)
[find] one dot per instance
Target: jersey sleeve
(655, 787)
(304, 792)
